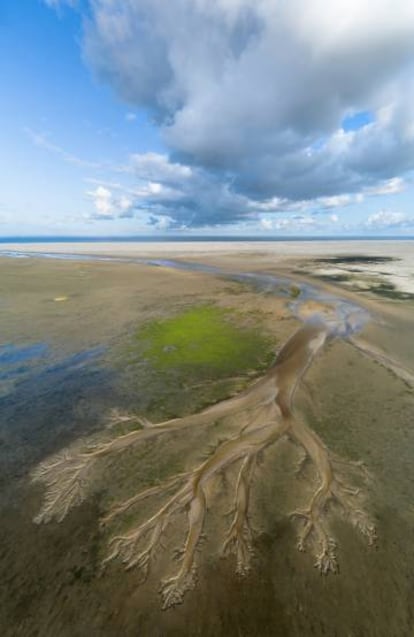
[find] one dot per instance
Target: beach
(86, 343)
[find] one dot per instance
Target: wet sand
(52, 582)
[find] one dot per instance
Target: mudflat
(221, 451)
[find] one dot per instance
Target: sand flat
(359, 405)
(398, 271)
(402, 249)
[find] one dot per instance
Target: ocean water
(193, 238)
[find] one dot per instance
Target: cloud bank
(251, 97)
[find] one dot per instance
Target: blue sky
(116, 120)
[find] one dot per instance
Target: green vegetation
(204, 340)
(191, 359)
(294, 291)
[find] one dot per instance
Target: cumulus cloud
(386, 219)
(108, 206)
(251, 96)
(187, 196)
(176, 195)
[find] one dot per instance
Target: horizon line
(198, 238)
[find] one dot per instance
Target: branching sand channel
(265, 413)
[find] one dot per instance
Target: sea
(194, 238)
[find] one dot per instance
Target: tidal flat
(286, 414)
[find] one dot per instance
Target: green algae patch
(205, 340)
(294, 291)
(196, 357)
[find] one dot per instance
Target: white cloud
(252, 107)
(263, 82)
(387, 187)
(124, 202)
(107, 206)
(102, 200)
(388, 219)
(335, 201)
(266, 224)
(295, 223)
(189, 196)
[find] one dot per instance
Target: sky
(207, 117)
